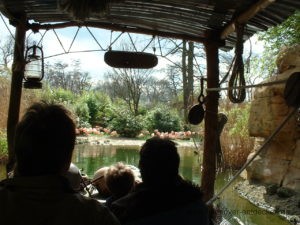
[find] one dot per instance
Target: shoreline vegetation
(108, 140)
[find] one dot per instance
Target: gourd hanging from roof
(83, 9)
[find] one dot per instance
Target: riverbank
(107, 140)
(286, 207)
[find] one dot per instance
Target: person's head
(159, 161)
(44, 140)
(119, 179)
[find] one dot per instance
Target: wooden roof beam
(245, 16)
(116, 27)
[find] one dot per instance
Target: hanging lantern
(34, 69)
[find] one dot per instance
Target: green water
(92, 157)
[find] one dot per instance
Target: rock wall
(279, 162)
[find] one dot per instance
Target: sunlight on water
(92, 157)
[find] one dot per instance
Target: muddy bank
(286, 207)
(118, 141)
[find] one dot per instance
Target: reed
(236, 143)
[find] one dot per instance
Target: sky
(93, 62)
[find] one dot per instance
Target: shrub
(58, 95)
(99, 107)
(104, 111)
(3, 145)
(126, 124)
(82, 112)
(163, 119)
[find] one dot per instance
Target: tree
(187, 77)
(157, 91)
(61, 75)
(175, 80)
(275, 38)
(6, 52)
(128, 84)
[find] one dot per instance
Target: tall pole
(18, 67)
(211, 121)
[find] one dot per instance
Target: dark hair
(119, 179)
(159, 161)
(44, 140)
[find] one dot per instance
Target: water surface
(92, 157)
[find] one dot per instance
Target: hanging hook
(201, 97)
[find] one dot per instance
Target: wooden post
(211, 121)
(16, 88)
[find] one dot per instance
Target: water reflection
(92, 157)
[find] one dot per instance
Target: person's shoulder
(98, 212)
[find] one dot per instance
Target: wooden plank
(116, 27)
(245, 16)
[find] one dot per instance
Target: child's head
(119, 179)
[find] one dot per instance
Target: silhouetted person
(39, 193)
(119, 180)
(163, 198)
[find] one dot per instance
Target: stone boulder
(279, 162)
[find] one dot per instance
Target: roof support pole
(16, 88)
(211, 121)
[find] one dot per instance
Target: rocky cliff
(279, 163)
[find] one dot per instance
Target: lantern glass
(34, 67)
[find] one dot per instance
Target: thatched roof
(192, 20)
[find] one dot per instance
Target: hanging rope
(268, 140)
(228, 72)
(237, 77)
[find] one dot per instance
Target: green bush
(163, 119)
(3, 145)
(104, 109)
(57, 95)
(126, 124)
(83, 114)
(99, 107)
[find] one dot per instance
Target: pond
(92, 157)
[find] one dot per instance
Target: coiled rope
(237, 77)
